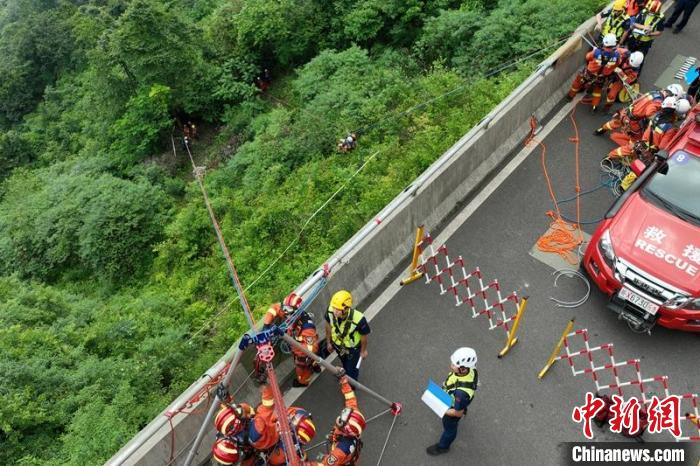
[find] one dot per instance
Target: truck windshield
(678, 190)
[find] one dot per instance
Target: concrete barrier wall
(461, 170)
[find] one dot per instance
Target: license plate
(634, 298)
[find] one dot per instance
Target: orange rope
(563, 238)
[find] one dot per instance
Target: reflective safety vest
(344, 334)
(647, 19)
(613, 24)
(467, 383)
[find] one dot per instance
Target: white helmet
(682, 106)
(669, 102)
(636, 59)
(464, 357)
(675, 89)
(609, 40)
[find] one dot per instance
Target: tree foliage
(111, 279)
(52, 224)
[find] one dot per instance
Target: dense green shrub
(113, 293)
(53, 224)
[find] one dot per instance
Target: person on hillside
(348, 143)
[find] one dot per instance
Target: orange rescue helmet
(229, 419)
(654, 6)
(302, 423)
(291, 303)
(351, 422)
(225, 452)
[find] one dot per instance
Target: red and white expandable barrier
(466, 287)
(619, 377)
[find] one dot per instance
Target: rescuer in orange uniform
(633, 7)
(633, 119)
(629, 71)
(231, 422)
(303, 330)
(253, 435)
(601, 64)
(659, 132)
(304, 431)
(262, 429)
(344, 441)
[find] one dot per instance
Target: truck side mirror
(637, 167)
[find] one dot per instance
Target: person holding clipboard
(460, 385)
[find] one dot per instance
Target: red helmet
(225, 452)
(653, 6)
(228, 421)
(292, 302)
(351, 422)
(302, 423)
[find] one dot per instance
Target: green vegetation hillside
(113, 293)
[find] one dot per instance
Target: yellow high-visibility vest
(344, 333)
(466, 383)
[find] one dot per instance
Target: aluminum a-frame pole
(395, 407)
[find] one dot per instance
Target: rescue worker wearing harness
(232, 446)
(346, 333)
(304, 431)
(461, 384)
(647, 26)
(632, 119)
(614, 20)
(627, 75)
(253, 432)
(303, 330)
(658, 134)
(344, 441)
(601, 64)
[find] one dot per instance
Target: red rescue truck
(646, 253)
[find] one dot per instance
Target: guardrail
(365, 260)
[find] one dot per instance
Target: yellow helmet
(341, 300)
(619, 5)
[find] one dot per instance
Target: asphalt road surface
(515, 418)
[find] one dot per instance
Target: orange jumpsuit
(629, 74)
(262, 429)
(277, 457)
(657, 136)
(631, 120)
(632, 7)
(344, 450)
(601, 64)
(303, 331)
